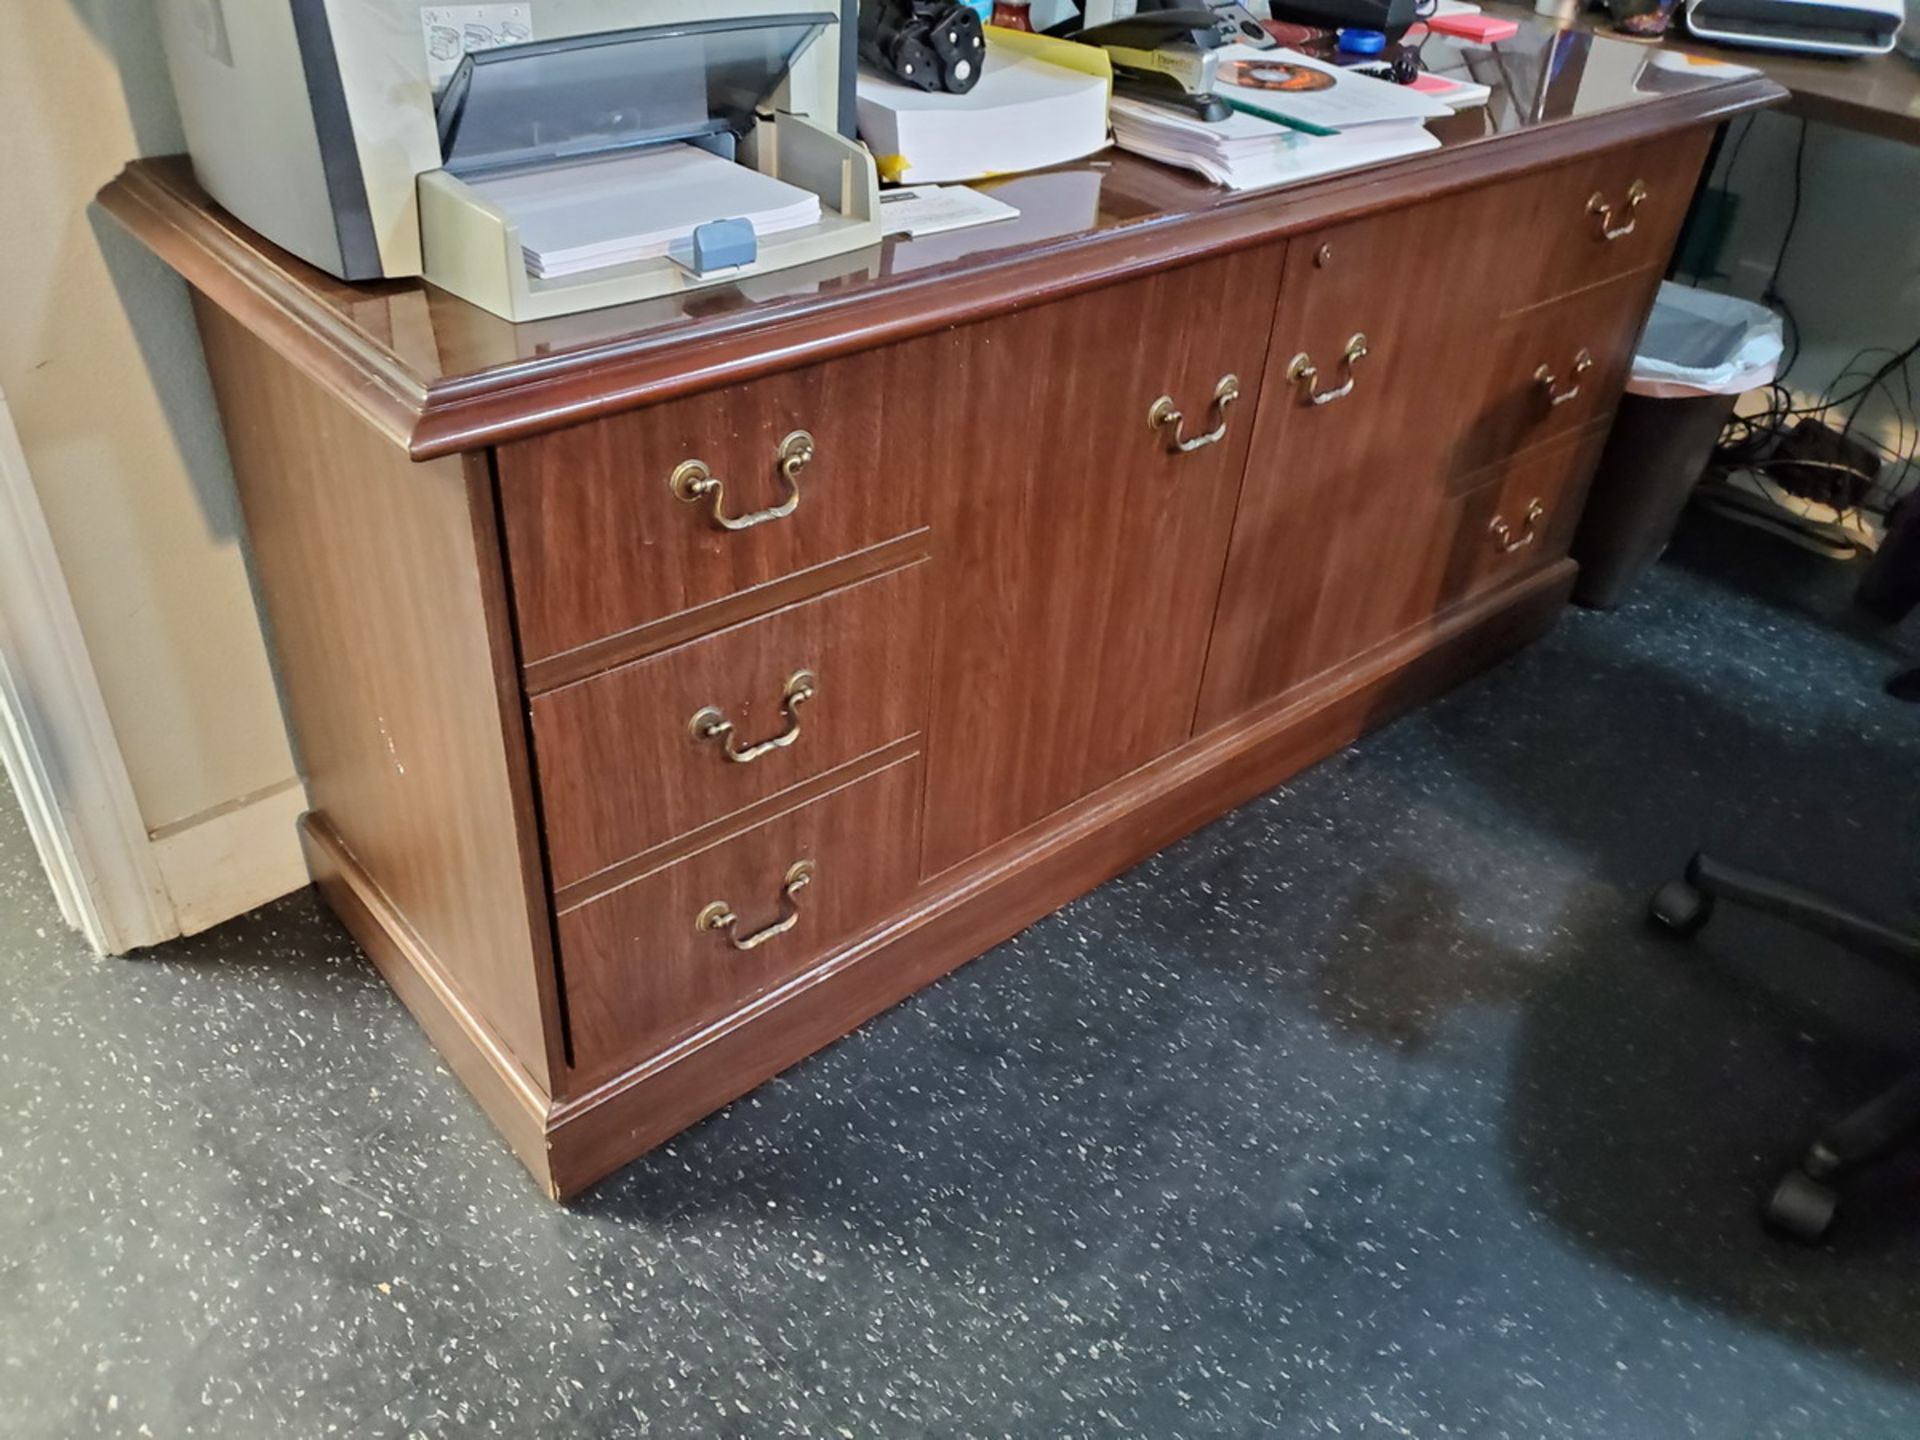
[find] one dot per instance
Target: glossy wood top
(1876, 94)
(440, 376)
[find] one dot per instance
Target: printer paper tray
(474, 250)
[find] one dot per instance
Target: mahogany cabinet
(678, 686)
(1078, 548)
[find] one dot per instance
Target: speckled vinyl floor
(1368, 1111)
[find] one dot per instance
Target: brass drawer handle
(1549, 382)
(1303, 372)
(1602, 212)
(712, 724)
(1165, 416)
(719, 915)
(1506, 542)
(693, 482)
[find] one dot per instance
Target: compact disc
(1274, 75)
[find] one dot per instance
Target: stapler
(1180, 44)
(1169, 94)
(1166, 57)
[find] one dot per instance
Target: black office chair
(1803, 1203)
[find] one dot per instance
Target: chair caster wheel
(1679, 909)
(1800, 1207)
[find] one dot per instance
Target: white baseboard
(233, 859)
(56, 740)
(121, 887)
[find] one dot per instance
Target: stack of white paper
(624, 208)
(1374, 120)
(1024, 114)
(1244, 152)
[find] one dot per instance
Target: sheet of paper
(634, 207)
(930, 209)
(1246, 153)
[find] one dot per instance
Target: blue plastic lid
(1363, 42)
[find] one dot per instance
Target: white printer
(365, 136)
(1825, 27)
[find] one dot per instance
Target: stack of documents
(1024, 114)
(1239, 152)
(1270, 139)
(1247, 153)
(638, 206)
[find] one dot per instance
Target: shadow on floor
(1657, 1089)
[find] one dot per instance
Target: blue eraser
(1363, 42)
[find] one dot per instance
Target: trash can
(1697, 355)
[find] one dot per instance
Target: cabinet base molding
(515, 1104)
(575, 1141)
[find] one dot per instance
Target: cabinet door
(1078, 552)
(1483, 324)
(1349, 457)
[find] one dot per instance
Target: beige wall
(101, 366)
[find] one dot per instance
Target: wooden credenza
(678, 687)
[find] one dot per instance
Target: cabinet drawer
(655, 959)
(1597, 219)
(1523, 514)
(1552, 371)
(612, 525)
(638, 755)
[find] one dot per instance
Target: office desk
(681, 684)
(1879, 95)
(1876, 95)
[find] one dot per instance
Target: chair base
(1804, 1203)
(1800, 1207)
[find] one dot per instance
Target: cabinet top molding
(440, 377)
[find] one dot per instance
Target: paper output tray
(473, 249)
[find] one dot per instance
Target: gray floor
(1368, 1111)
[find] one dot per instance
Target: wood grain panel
(640, 973)
(586, 661)
(1006, 889)
(1079, 561)
(1468, 558)
(1511, 408)
(1333, 537)
(1558, 248)
(599, 544)
(387, 613)
(620, 771)
(468, 1043)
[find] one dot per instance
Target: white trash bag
(1700, 343)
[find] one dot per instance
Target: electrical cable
(1733, 155)
(1771, 295)
(1747, 440)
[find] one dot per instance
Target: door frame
(57, 741)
